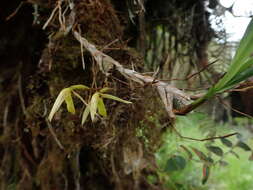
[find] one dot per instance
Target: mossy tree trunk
(37, 64)
(34, 68)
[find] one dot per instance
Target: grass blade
(245, 47)
(239, 62)
(239, 70)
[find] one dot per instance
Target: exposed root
(54, 135)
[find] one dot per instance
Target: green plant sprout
(239, 70)
(96, 103)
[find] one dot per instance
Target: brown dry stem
(168, 93)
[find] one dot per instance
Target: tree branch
(168, 93)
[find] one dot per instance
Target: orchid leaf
(105, 89)
(108, 96)
(79, 87)
(69, 101)
(57, 104)
(93, 105)
(101, 107)
(85, 114)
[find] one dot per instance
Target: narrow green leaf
(93, 105)
(239, 77)
(216, 150)
(243, 146)
(69, 101)
(85, 114)
(79, 96)
(108, 96)
(226, 142)
(79, 87)
(243, 75)
(239, 69)
(243, 52)
(175, 163)
(245, 47)
(206, 173)
(105, 89)
(101, 107)
(57, 104)
(246, 64)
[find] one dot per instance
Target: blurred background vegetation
(232, 170)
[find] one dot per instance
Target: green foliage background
(236, 175)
